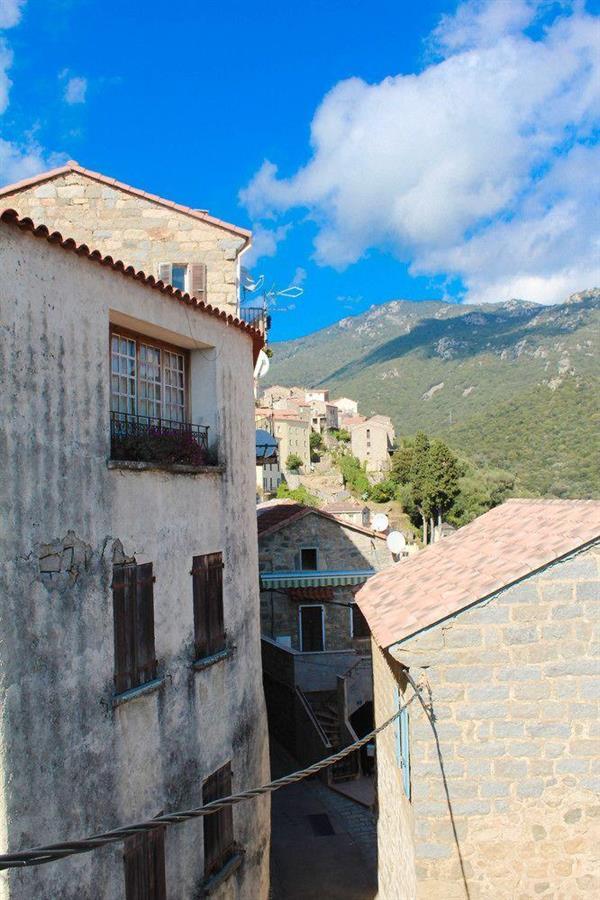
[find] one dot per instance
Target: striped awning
(313, 579)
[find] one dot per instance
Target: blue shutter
(402, 744)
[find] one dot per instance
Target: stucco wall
(339, 548)
(72, 764)
(515, 692)
(294, 437)
(140, 232)
(374, 451)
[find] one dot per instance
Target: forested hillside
(514, 385)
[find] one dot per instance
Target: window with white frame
(147, 378)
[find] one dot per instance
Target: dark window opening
(144, 859)
(308, 559)
(207, 588)
(219, 845)
(360, 626)
(312, 637)
(133, 610)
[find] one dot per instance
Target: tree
(293, 463)
(383, 491)
(402, 462)
(445, 471)
(299, 494)
(341, 434)
(316, 446)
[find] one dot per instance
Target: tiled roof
(339, 506)
(275, 514)
(72, 166)
(11, 217)
(494, 551)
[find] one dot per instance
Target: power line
(37, 856)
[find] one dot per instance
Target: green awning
(313, 579)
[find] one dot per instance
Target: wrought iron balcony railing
(150, 439)
(257, 316)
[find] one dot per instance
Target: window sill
(174, 468)
(206, 661)
(140, 691)
(232, 865)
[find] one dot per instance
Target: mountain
(513, 385)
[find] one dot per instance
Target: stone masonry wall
(339, 547)
(139, 231)
(514, 689)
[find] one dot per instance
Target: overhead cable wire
(37, 856)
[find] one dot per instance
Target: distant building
(372, 442)
(130, 682)
(324, 416)
(316, 648)
(346, 406)
(350, 511)
(268, 471)
(496, 623)
(276, 392)
(317, 394)
(292, 433)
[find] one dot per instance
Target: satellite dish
(262, 365)
(380, 522)
(396, 542)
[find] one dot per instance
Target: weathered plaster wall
(374, 451)
(140, 232)
(339, 547)
(72, 764)
(515, 691)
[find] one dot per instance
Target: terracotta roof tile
(501, 547)
(11, 217)
(72, 166)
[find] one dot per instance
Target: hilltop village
(201, 593)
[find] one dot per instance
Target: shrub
(293, 462)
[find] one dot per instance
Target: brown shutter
(218, 827)
(124, 611)
(144, 859)
(145, 652)
(197, 280)
(165, 272)
(156, 864)
(207, 585)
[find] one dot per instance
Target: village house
(316, 645)
(268, 471)
(270, 395)
(493, 792)
(130, 677)
(350, 511)
(316, 395)
(372, 442)
(292, 432)
(188, 248)
(346, 406)
(324, 416)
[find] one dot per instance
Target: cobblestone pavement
(323, 845)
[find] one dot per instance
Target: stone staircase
(324, 706)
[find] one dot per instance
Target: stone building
(292, 432)
(372, 442)
(498, 625)
(316, 647)
(346, 406)
(130, 680)
(186, 247)
(350, 511)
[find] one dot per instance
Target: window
(308, 559)
(402, 744)
(133, 610)
(312, 628)
(218, 828)
(360, 628)
(144, 859)
(189, 277)
(207, 588)
(147, 378)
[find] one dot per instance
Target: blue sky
(380, 150)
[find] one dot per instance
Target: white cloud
(299, 276)
(10, 12)
(75, 90)
(477, 167)
(264, 243)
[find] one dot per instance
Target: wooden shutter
(124, 612)
(165, 272)
(144, 859)
(197, 280)
(207, 586)
(218, 827)
(145, 652)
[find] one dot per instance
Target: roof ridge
(72, 166)
(11, 217)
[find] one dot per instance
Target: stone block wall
(514, 687)
(139, 231)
